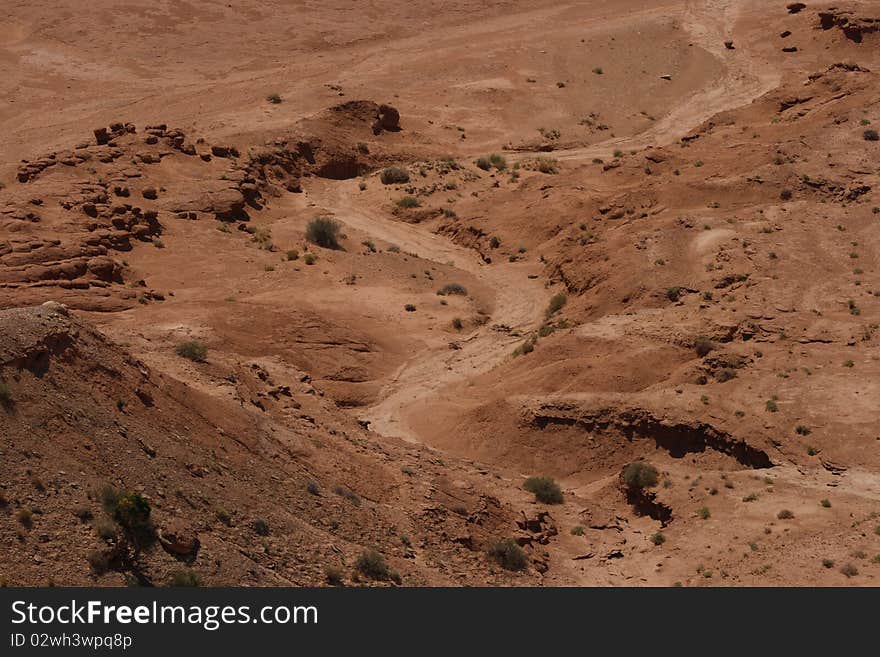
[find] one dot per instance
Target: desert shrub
(310, 258)
(508, 555)
(293, 254)
(598, 70)
(372, 564)
(640, 475)
(557, 303)
(452, 288)
(275, 99)
(703, 513)
(394, 176)
(785, 514)
(826, 503)
(785, 194)
(410, 308)
(223, 516)
(184, 578)
(871, 135)
(260, 526)
(333, 575)
(577, 530)
(703, 346)
(658, 539)
(5, 395)
(84, 513)
(771, 406)
(408, 202)
(457, 324)
(313, 488)
(324, 232)
(363, 148)
(547, 165)
(192, 350)
(674, 293)
(828, 563)
(25, 517)
(494, 242)
(849, 570)
(98, 562)
(348, 494)
(545, 489)
(371, 246)
(105, 528)
(803, 430)
(483, 163)
(498, 161)
(132, 513)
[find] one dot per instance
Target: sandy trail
(519, 301)
(518, 305)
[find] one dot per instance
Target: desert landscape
(469, 293)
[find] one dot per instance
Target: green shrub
(771, 405)
(658, 539)
(557, 303)
(192, 350)
(408, 202)
(498, 161)
(640, 475)
(5, 395)
(785, 514)
(132, 513)
(508, 555)
(577, 530)
(547, 165)
(826, 503)
(545, 489)
(704, 513)
(260, 526)
(372, 564)
(184, 578)
(394, 176)
(310, 258)
(483, 163)
(324, 232)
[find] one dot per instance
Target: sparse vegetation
(372, 564)
(640, 475)
(871, 135)
(408, 202)
(509, 555)
(192, 350)
(260, 526)
(703, 346)
(310, 258)
(184, 578)
(849, 570)
(333, 575)
(557, 303)
(785, 514)
(274, 98)
(324, 232)
(452, 288)
(704, 513)
(545, 489)
(394, 176)
(658, 538)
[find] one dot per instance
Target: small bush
(293, 254)
(508, 555)
(192, 350)
(498, 161)
(313, 488)
(260, 526)
(275, 99)
(703, 513)
(25, 518)
(703, 346)
(324, 232)
(849, 570)
(184, 578)
(545, 489)
(333, 575)
(410, 308)
(547, 165)
(5, 394)
(457, 324)
(106, 529)
(483, 163)
(84, 513)
(452, 288)
(826, 503)
(674, 293)
(871, 135)
(394, 176)
(408, 202)
(828, 563)
(803, 430)
(658, 539)
(223, 516)
(310, 258)
(640, 475)
(785, 514)
(372, 564)
(577, 530)
(771, 406)
(557, 303)
(598, 70)
(98, 562)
